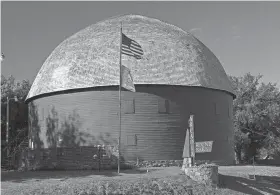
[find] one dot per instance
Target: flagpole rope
(119, 145)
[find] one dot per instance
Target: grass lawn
(234, 180)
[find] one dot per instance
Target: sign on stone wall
(202, 147)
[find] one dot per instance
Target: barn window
(59, 151)
(163, 106)
(217, 109)
(230, 110)
(131, 140)
(129, 106)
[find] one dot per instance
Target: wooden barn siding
(159, 136)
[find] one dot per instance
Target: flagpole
(120, 122)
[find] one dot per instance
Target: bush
(158, 186)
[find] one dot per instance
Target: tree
(10, 88)
(256, 116)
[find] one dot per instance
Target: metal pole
(7, 126)
(120, 82)
(254, 167)
(99, 158)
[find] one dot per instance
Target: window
(163, 106)
(129, 106)
(59, 151)
(131, 140)
(217, 108)
(230, 110)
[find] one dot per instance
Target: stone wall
(155, 163)
(206, 174)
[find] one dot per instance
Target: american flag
(131, 47)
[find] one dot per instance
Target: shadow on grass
(268, 184)
(16, 176)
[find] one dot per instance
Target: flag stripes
(131, 47)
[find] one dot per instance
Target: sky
(245, 36)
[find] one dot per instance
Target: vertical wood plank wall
(91, 117)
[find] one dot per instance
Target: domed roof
(90, 58)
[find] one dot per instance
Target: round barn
(74, 100)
